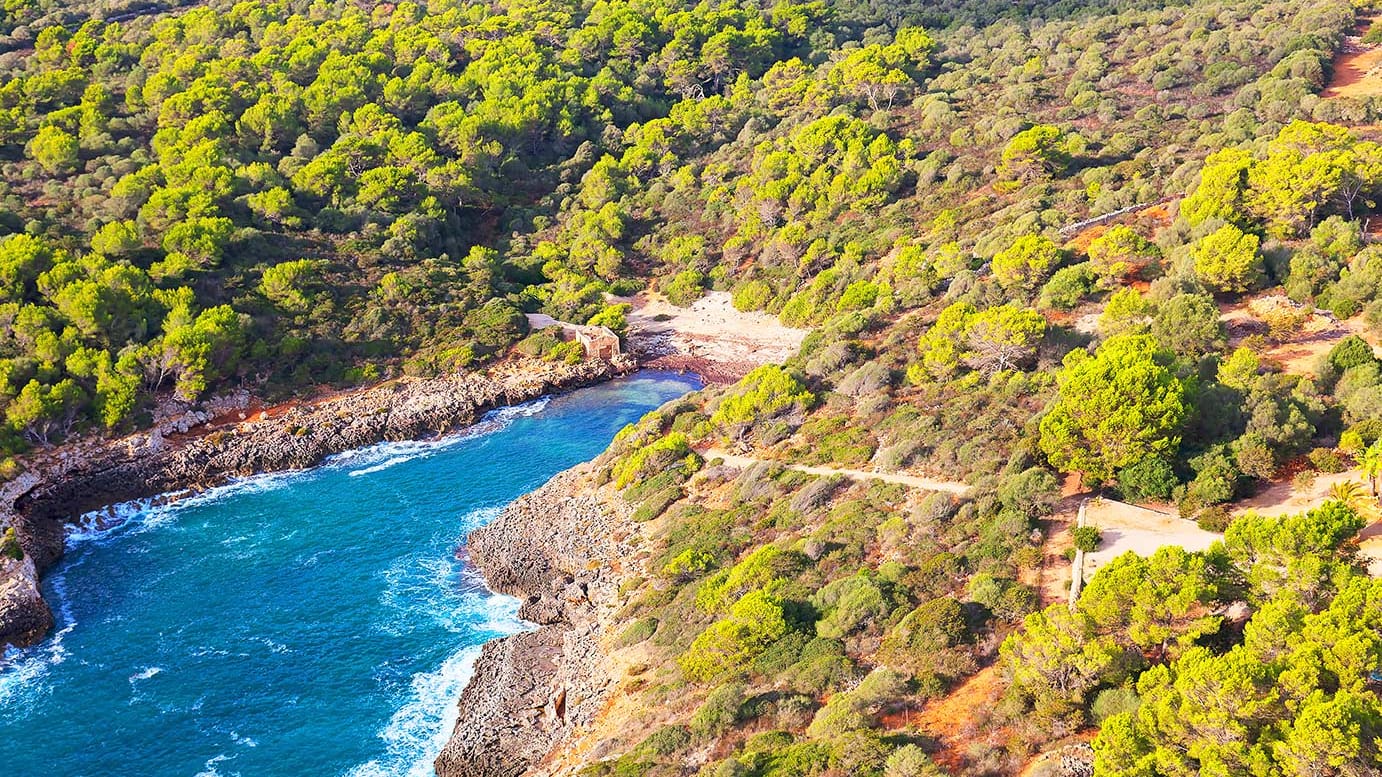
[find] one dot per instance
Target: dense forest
(279, 195)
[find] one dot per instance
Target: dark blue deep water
(311, 623)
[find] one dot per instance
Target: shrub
(1352, 351)
(929, 645)
(754, 622)
(1027, 262)
(1214, 519)
(1113, 701)
(655, 505)
(720, 711)
(1150, 478)
(1303, 480)
(910, 761)
(613, 316)
(690, 563)
(1008, 599)
(637, 632)
(665, 741)
(656, 456)
(1215, 482)
(685, 287)
(766, 392)
(755, 570)
(1067, 287)
(9, 545)
(858, 708)
(1326, 460)
(751, 295)
(1087, 538)
(1031, 494)
(849, 604)
(821, 667)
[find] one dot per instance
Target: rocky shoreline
(564, 550)
(39, 506)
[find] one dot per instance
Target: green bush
(656, 504)
(637, 632)
(1067, 287)
(753, 624)
(766, 392)
(1008, 599)
(9, 545)
(751, 295)
(849, 604)
(756, 570)
(859, 707)
(1350, 352)
(689, 564)
(1113, 701)
(720, 712)
(1326, 460)
(656, 456)
(1150, 478)
(1214, 519)
(665, 741)
(685, 287)
(1087, 538)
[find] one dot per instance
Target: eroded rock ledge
(39, 506)
(563, 550)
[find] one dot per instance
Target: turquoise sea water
(310, 623)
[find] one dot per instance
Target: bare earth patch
(710, 337)
(1301, 352)
(952, 720)
(1356, 67)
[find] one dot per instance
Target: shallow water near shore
(315, 622)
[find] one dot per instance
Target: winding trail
(915, 481)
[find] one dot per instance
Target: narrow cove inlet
(317, 622)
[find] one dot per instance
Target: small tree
(1119, 252)
(1032, 153)
(54, 149)
(1227, 259)
(1371, 462)
(1027, 262)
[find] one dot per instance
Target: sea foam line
(421, 726)
(376, 458)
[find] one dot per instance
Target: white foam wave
(23, 671)
(209, 768)
(139, 515)
(383, 465)
(274, 647)
(419, 729)
(377, 458)
(145, 674)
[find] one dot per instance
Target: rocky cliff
(563, 550)
(144, 465)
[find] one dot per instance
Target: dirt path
(915, 481)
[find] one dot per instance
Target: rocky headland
(564, 550)
(170, 458)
